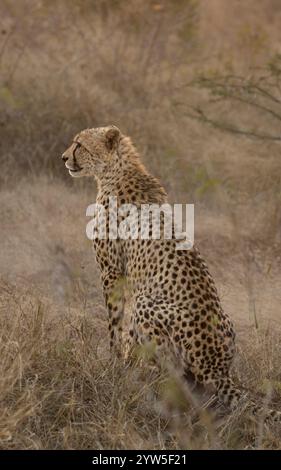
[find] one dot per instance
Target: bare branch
(201, 116)
(260, 91)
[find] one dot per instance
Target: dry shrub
(118, 64)
(73, 64)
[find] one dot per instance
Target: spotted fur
(174, 301)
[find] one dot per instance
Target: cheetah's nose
(64, 157)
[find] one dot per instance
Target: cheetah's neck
(128, 175)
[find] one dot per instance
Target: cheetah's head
(92, 152)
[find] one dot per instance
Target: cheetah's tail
(231, 396)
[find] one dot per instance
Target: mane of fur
(148, 183)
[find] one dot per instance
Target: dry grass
(69, 65)
(60, 389)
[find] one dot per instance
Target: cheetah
(174, 301)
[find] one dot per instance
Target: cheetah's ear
(112, 138)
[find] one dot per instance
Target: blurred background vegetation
(67, 65)
(196, 85)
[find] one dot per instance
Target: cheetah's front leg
(113, 289)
